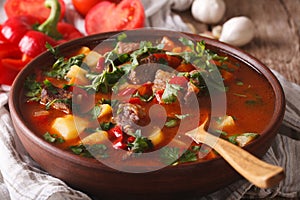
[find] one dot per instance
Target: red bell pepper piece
(117, 137)
(15, 28)
(115, 132)
(7, 75)
(11, 62)
(33, 43)
(68, 31)
(2, 38)
(55, 29)
(16, 64)
(22, 38)
(8, 50)
(19, 30)
(135, 100)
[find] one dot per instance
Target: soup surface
(118, 102)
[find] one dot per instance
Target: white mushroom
(237, 31)
(208, 11)
(181, 5)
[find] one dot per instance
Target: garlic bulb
(237, 31)
(181, 5)
(208, 11)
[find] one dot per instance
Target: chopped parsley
(33, 88)
(90, 151)
(62, 66)
(95, 111)
(140, 144)
(170, 93)
(171, 123)
(53, 138)
(106, 125)
(171, 155)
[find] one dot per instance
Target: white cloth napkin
(21, 178)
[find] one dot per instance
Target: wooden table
(277, 39)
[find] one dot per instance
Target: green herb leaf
(105, 81)
(95, 111)
(171, 123)
(62, 66)
(232, 139)
(77, 149)
(187, 42)
(188, 156)
(53, 138)
(169, 155)
(106, 125)
(121, 37)
(170, 93)
(240, 95)
(140, 144)
(89, 151)
(239, 83)
(33, 88)
(182, 116)
(52, 50)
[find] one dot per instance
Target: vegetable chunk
(69, 127)
(95, 138)
(77, 75)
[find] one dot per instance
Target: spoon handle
(258, 172)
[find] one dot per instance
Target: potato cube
(106, 110)
(69, 127)
(77, 75)
(225, 122)
(95, 138)
(92, 59)
(246, 138)
(83, 50)
(156, 136)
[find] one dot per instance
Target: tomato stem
(49, 26)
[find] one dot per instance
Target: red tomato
(83, 6)
(107, 16)
(34, 8)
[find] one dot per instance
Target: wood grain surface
(277, 39)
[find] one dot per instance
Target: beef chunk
(124, 47)
(58, 98)
(161, 79)
(192, 89)
(130, 116)
(143, 73)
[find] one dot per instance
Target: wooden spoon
(258, 172)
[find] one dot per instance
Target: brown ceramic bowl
(96, 179)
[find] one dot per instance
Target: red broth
(249, 107)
